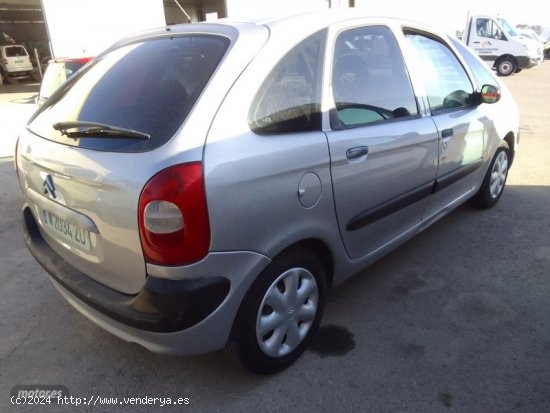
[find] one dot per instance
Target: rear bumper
(162, 305)
(171, 316)
(19, 73)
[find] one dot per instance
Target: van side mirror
(489, 94)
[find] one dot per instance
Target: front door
(463, 132)
(383, 153)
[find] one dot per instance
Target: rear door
(17, 59)
(384, 154)
(464, 132)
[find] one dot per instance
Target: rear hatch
(90, 149)
(16, 59)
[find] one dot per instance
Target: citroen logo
(291, 313)
(49, 187)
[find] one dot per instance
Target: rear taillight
(173, 216)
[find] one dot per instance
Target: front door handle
(357, 152)
(447, 133)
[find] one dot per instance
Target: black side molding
(389, 207)
(454, 176)
(386, 208)
(162, 306)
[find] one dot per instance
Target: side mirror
(490, 94)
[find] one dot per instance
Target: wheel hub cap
(498, 174)
(287, 312)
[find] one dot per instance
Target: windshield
(508, 28)
(149, 87)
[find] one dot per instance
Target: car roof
(298, 24)
(5, 46)
(322, 18)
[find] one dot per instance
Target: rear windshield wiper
(97, 130)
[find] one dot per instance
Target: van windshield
(149, 87)
(508, 28)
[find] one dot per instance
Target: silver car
(203, 185)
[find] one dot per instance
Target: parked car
(14, 62)
(214, 198)
(57, 72)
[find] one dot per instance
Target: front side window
(488, 28)
(446, 82)
(481, 71)
(289, 100)
(370, 82)
(148, 86)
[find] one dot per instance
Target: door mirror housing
(489, 94)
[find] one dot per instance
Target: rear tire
(280, 313)
(506, 66)
(495, 179)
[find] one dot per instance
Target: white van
(14, 62)
(500, 45)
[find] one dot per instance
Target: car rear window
(150, 87)
(15, 51)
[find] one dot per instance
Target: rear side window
(289, 100)
(148, 87)
(15, 51)
(447, 84)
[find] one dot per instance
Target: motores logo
(38, 391)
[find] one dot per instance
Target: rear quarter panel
(252, 181)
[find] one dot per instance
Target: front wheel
(506, 66)
(280, 313)
(493, 184)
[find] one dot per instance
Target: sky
(447, 15)
(451, 15)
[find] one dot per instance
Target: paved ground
(456, 320)
(16, 106)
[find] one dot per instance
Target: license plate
(71, 233)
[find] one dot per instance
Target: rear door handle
(357, 152)
(447, 133)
